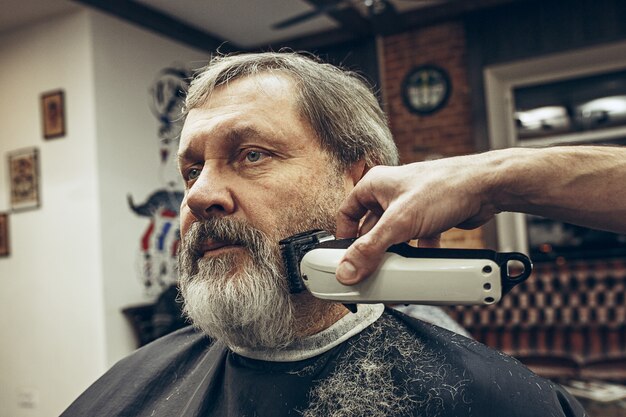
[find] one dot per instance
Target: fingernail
(346, 272)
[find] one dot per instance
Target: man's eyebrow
(241, 133)
(233, 137)
(182, 155)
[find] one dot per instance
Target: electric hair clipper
(406, 275)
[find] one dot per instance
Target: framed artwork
(24, 179)
(53, 113)
(4, 234)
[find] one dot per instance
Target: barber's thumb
(346, 272)
(356, 265)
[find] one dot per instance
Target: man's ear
(357, 170)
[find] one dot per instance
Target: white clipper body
(405, 280)
(406, 274)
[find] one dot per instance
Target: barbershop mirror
(566, 112)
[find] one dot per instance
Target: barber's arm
(584, 185)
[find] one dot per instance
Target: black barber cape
(397, 366)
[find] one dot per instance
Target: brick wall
(447, 132)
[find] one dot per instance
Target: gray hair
(339, 105)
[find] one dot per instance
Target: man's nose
(210, 195)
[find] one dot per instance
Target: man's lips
(213, 246)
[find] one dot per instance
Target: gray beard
(241, 298)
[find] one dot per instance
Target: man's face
(247, 154)
(254, 173)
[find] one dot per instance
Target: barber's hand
(390, 205)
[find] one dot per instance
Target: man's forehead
(247, 97)
(270, 85)
(262, 106)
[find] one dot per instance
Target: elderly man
(272, 144)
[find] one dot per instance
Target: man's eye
(193, 173)
(255, 156)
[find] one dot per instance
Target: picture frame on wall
(53, 114)
(4, 235)
(24, 179)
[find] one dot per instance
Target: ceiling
(248, 24)
(24, 12)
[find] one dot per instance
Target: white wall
(72, 265)
(51, 301)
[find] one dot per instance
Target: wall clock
(426, 89)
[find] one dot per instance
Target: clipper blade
(293, 249)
